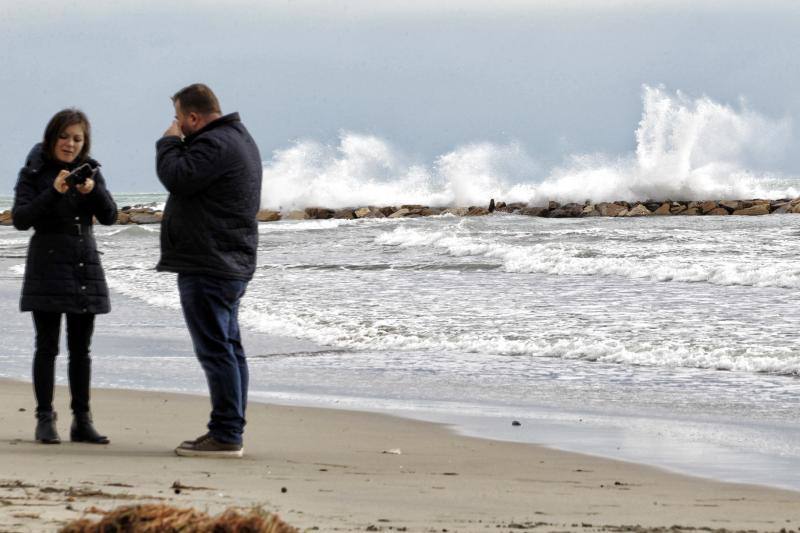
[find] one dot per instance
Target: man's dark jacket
(63, 272)
(214, 181)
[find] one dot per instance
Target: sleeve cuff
(169, 140)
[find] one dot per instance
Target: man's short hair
(197, 98)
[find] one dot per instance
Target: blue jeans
(211, 309)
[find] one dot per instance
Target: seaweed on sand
(154, 518)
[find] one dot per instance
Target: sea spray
(686, 149)
(365, 170)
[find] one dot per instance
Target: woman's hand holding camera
(60, 184)
(85, 187)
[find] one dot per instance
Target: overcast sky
(560, 78)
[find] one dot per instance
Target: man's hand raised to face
(174, 130)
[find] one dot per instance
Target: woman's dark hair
(61, 121)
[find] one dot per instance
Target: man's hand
(86, 187)
(60, 183)
(174, 130)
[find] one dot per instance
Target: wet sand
(328, 469)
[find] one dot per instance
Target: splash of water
(365, 170)
(686, 149)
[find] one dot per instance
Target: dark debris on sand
(159, 518)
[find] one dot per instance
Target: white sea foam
(303, 225)
(686, 149)
(359, 336)
(569, 258)
(143, 289)
(131, 229)
(365, 170)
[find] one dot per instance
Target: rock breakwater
(152, 215)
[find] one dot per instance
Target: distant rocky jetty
(552, 210)
(150, 214)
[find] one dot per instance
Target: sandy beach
(498, 266)
(329, 470)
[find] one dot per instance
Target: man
(211, 167)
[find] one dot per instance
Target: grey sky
(558, 77)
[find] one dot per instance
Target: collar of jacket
(37, 160)
(221, 121)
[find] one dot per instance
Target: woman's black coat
(63, 271)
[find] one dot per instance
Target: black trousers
(79, 338)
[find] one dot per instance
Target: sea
(668, 341)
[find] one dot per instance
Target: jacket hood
(36, 158)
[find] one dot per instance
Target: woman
(63, 274)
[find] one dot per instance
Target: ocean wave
(137, 279)
(686, 149)
(455, 267)
(303, 225)
(573, 259)
(361, 336)
(131, 230)
(365, 170)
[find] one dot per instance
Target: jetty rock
(151, 214)
(267, 215)
(638, 211)
(758, 209)
(549, 209)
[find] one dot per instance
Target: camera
(79, 175)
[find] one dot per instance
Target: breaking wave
(686, 149)
(564, 258)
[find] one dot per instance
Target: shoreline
(124, 341)
(560, 430)
(338, 476)
(568, 431)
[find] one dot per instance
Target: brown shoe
(208, 446)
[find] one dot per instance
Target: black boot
(46, 431)
(83, 430)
